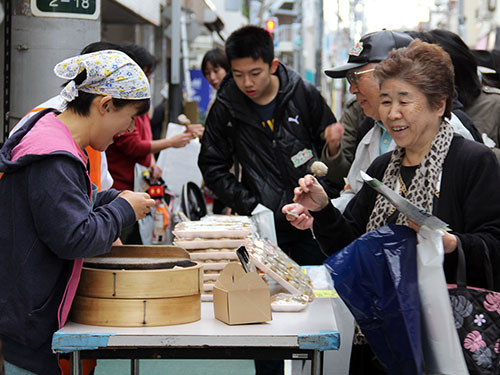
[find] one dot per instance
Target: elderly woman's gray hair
(425, 66)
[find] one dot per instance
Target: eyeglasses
(353, 77)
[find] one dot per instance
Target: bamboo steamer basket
(137, 286)
(136, 312)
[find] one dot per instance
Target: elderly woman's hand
(310, 194)
(449, 240)
(298, 216)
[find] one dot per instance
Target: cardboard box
(241, 297)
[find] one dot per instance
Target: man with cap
(363, 57)
(370, 50)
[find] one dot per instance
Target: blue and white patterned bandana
(109, 72)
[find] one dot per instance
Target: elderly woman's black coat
(469, 202)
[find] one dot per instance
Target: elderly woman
(455, 179)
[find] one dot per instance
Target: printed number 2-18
(84, 3)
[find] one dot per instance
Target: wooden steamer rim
(136, 312)
(140, 296)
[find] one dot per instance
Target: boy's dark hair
(81, 104)
(216, 57)
(141, 56)
(250, 41)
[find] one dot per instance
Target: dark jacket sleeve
(62, 215)
(216, 159)
(319, 116)
(106, 196)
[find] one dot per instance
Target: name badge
(301, 157)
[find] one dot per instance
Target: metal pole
(319, 44)
(185, 58)
(461, 19)
(134, 367)
(317, 363)
(75, 363)
(6, 69)
(175, 86)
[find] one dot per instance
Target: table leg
(75, 363)
(134, 367)
(317, 363)
(297, 367)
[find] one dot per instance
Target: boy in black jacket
(273, 122)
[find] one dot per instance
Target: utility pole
(461, 19)
(319, 44)
(175, 85)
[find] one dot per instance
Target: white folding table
(298, 336)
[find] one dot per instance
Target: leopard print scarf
(423, 185)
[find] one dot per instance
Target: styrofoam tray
(229, 255)
(213, 266)
(209, 233)
(211, 243)
(291, 307)
(207, 298)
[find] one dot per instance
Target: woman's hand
(449, 240)
(180, 140)
(298, 216)
(310, 194)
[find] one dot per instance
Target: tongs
(244, 258)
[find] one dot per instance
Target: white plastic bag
(263, 219)
(180, 165)
(441, 345)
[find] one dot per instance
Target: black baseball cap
(372, 47)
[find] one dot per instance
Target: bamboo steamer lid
(136, 312)
(140, 283)
(139, 286)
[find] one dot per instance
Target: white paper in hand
(403, 205)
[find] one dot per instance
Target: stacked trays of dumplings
(213, 242)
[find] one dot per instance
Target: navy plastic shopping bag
(376, 277)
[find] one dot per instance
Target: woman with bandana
(51, 215)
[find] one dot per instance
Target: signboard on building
(202, 91)
(87, 9)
